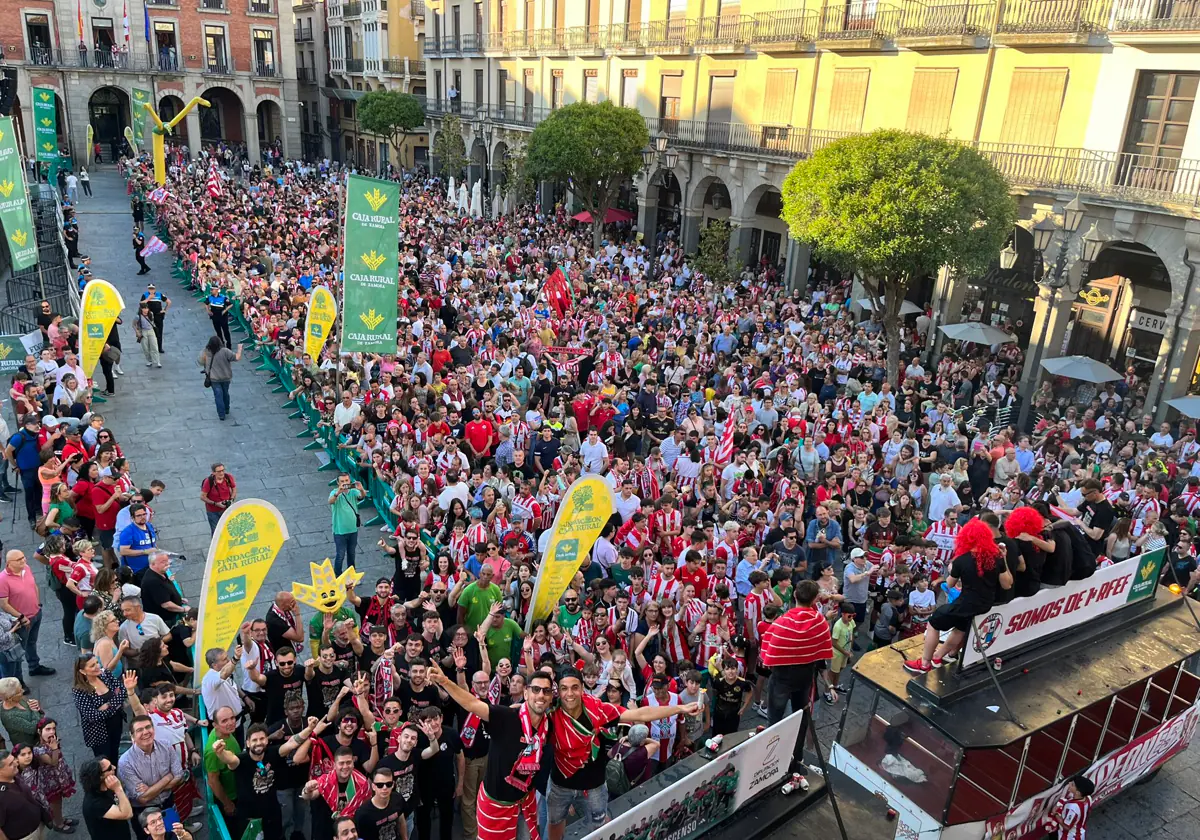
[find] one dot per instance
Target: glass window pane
(1146, 132)
(1179, 111)
(1151, 109)
(1174, 135)
(1156, 84)
(1185, 85)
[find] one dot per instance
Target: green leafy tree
(713, 259)
(514, 169)
(893, 207)
(393, 115)
(591, 147)
(449, 148)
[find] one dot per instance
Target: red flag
(214, 181)
(558, 292)
(724, 453)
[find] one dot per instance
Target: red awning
(613, 215)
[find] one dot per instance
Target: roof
(1058, 684)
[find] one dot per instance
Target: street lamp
(648, 158)
(1092, 243)
(1043, 232)
(1008, 257)
(660, 142)
(1073, 215)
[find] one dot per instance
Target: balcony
(627, 38)
(773, 141)
(669, 37)
(519, 115)
(1154, 20)
(726, 34)
(433, 47)
(265, 68)
(945, 26)
(585, 40)
(337, 65)
(471, 44)
(451, 46)
(354, 65)
(784, 32)
(213, 5)
(1051, 22)
(352, 9)
(306, 75)
(303, 34)
(172, 3)
(261, 7)
(219, 67)
(862, 27)
(105, 60)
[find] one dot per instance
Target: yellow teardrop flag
(586, 507)
(322, 313)
(242, 550)
(101, 305)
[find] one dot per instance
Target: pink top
(21, 591)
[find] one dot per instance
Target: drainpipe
(1177, 345)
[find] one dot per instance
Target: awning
(343, 94)
(612, 216)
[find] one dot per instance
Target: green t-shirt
(500, 639)
(568, 620)
(316, 624)
(213, 764)
(621, 576)
(843, 634)
(477, 602)
(345, 511)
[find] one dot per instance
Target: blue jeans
(221, 396)
(31, 640)
(213, 519)
(32, 487)
(345, 545)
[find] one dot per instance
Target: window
(264, 52)
(591, 86)
(848, 99)
(502, 88)
(720, 99)
(480, 93)
(456, 23)
(528, 95)
(629, 89)
(556, 90)
(669, 97)
(1034, 104)
(215, 49)
(560, 14)
(37, 30)
(478, 18)
(437, 87)
(166, 45)
(1162, 108)
(500, 15)
(530, 25)
(931, 100)
(778, 98)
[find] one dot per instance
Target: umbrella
(1081, 368)
(612, 216)
(976, 333)
(906, 308)
(1187, 406)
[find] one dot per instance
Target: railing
(220, 68)
(1156, 16)
(306, 74)
(215, 5)
(627, 36)
(303, 33)
(399, 67)
(416, 67)
(90, 59)
(265, 68)
(667, 34)
(162, 2)
(337, 65)
(471, 43)
(724, 30)
(418, 8)
(352, 9)
(260, 7)
(354, 65)
(433, 47)
(855, 23)
(451, 43)
(778, 27)
(583, 38)
(1030, 17)
(922, 20)
(519, 114)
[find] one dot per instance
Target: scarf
(266, 658)
(383, 682)
(530, 759)
(575, 742)
(378, 612)
(357, 791)
(290, 621)
(471, 725)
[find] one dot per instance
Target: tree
(712, 256)
(594, 149)
(449, 148)
(393, 115)
(894, 206)
(514, 170)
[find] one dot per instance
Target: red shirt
(218, 491)
(798, 637)
(479, 434)
(698, 578)
(574, 738)
(101, 493)
(441, 358)
(84, 506)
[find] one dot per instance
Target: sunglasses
(384, 784)
(537, 689)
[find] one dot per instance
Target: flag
(214, 181)
(146, 16)
(79, 19)
(558, 292)
(154, 246)
(102, 305)
(125, 19)
(724, 453)
(157, 196)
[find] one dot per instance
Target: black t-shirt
(728, 697)
(288, 776)
(256, 784)
(508, 742)
(407, 577)
(360, 748)
(344, 653)
(276, 627)
(483, 739)
(375, 823)
(978, 592)
(180, 652)
(1097, 515)
(412, 701)
(436, 775)
(95, 806)
(404, 772)
(156, 591)
(323, 690)
(279, 689)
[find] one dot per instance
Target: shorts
(860, 613)
(952, 617)
(592, 804)
(762, 671)
(105, 538)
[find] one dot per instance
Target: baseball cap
(857, 552)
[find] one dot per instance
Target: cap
(49, 421)
(856, 553)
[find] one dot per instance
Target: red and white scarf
(530, 759)
(470, 729)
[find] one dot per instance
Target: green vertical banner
(370, 265)
(15, 218)
(45, 124)
(141, 98)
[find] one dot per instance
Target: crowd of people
(780, 507)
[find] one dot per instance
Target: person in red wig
(979, 565)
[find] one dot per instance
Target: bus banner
(1024, 621)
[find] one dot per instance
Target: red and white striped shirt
(663, 589)
(752, 610)
(798, 637)
(943, 535)
(710, 642)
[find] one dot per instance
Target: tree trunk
(598, 229)
(893, 299)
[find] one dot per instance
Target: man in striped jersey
(794, 647)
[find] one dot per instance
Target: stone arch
(761, 232)
(705, 190)
(268, 112)
(670, 199)
(108, 115)
(477, 168)
(498, 157)
(224, 119)
(169, 104)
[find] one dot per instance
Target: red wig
(977, 538)
(1024, 520)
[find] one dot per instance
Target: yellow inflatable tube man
(160, 132)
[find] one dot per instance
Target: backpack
(615, 776)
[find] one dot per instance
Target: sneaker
(950, 657)
(916, 666)
(119, 371)
(936, 663)
(42, 671)
(160, 364)
(761, 708)
(149, 364)
(69, 643)
(829, 697)
(842, 688)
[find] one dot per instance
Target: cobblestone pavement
(166, 423)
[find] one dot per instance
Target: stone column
(690, 221)
(795, 274)
(949, 292)
(546, 197)
(648, 214)
(192, 121)
(1182, 352)
(1051, 313)
(739, 241)
(250, 132)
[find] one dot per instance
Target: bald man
(283, 623)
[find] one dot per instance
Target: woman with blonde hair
(104, 642)
(18, 713)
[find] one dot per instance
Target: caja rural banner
(703, 798)
(45, 123)
(140, 99)
(322, 313)
(14, 349)
(102, 305)
(371, 273)
(1051, 611)
(248, 537)
(587, 505)
(15, 218)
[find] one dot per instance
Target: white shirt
(219, 692)
(628, 507)
(941, 498)
(342, 415)
(250, 660)
(451, 492)
(594, 455)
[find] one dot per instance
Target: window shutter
(780, 93)
(1034, 104)
(931, 99)
(848, 99)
